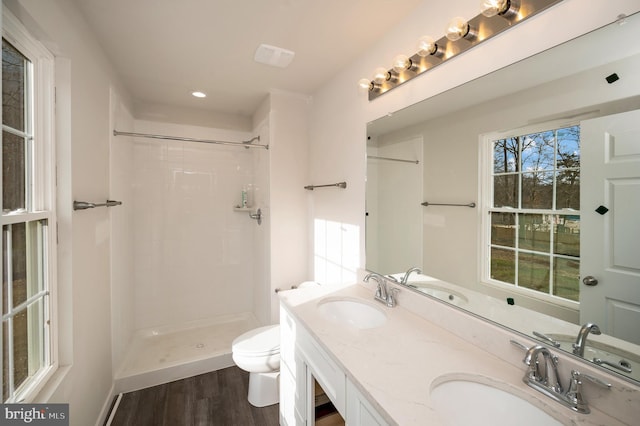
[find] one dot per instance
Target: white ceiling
(165, 49)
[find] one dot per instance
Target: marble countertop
(396, 365)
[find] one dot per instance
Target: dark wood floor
(216, 398)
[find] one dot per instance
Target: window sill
(49, 388)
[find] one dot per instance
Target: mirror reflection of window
(535, 211)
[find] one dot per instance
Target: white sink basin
(352, 312)
(463, 402)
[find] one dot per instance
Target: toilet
(258, 352)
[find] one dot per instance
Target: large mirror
(435, 152)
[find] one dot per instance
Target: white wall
(287, 213)
(339, 114)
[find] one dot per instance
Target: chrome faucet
(405, 279)
(539, 373)
(581, 341)
(544, 378)
(383, 294)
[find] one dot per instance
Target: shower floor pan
(164, 354)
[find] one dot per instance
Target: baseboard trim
(107, 407)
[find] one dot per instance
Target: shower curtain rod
(245, 144)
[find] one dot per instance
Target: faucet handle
(520, 345)
(574, 393)
(391, 297)
(381, 286)
(577, 375)
(546, 339)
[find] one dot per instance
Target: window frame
(485, 191)
(40, 193)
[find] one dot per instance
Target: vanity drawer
(324, 369)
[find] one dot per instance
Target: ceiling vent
(274, 56)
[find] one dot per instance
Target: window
(28, 214)
(532, 214)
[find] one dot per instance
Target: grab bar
(339, 185)
(426, 203)
(375, 157)
(83, 205)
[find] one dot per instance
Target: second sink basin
(352, 312)
(463, 402)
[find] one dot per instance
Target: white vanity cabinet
(359, 411)
(302, 363)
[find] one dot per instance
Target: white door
(610, 240)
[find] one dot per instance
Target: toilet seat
(260, 342)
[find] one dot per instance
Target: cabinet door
(293, 375)
(323, 368)
(359, 411)
(287, 397)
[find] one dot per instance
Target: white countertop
(396, 365)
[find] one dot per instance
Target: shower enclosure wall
(190, 272)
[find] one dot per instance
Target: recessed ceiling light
(199, 94)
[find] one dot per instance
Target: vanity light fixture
(461, 35)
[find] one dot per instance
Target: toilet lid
(258, 342)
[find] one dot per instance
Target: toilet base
(263, 389)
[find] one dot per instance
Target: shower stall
(190, 264)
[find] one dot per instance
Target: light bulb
(458, 28)
(491, 8)
(401, 63)
(365, 84)
(426, 46)
(380, 75)
(199, 94)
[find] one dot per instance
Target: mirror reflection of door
(611, 251)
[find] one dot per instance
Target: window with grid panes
(532, 232)
(28, 214)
